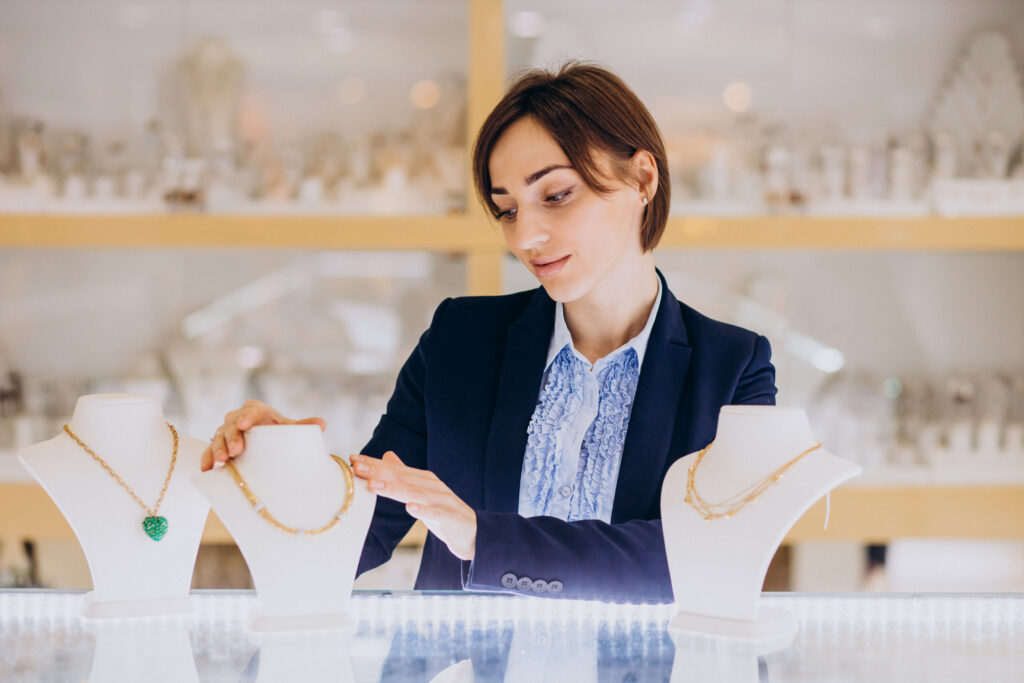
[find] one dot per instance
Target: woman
(531, 432)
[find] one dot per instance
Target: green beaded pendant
(155, 527)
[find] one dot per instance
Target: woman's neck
(616, 310)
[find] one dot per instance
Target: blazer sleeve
(590, 558)
(582, 559)
(402, 429)
(756, 385)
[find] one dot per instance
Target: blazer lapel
(653, 416)
(522, 368)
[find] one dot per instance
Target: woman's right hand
(229, 440)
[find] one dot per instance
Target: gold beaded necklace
(730, 506)
(154, 525)
(350, 492)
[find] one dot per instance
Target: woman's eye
(507, 215)
(558, 197)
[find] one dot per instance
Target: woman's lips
(552, 268)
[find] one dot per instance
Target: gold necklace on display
(154, 525)
(350, 492)
(730, 506)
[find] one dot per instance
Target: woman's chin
(563, 290)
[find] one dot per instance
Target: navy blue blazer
(461, 407)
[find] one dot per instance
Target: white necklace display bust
(132, 575)
(718, 567)
(302, 582)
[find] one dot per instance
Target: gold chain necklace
(733, 504)
(154, 526)
(350, 492)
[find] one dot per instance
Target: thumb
(313, 421)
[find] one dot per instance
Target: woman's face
(567, 235)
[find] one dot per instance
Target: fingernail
(376, 484)
(362, 467)
(412, 507)
(218, 464)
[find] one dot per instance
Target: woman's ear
(646, 169)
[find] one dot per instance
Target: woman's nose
(529, 232)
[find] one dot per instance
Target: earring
(644, 200)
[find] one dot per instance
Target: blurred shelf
(879, 515)
(472, 233)
(867, 233)
(870, 515)
(435, 233)
(1007, 470)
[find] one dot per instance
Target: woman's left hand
(426, 498)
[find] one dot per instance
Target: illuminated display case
(445, 637)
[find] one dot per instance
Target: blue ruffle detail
(602, 445)
(560, 400)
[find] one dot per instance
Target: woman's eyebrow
(533, 177)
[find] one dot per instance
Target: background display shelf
(875, 510)
(871, 514)
(473, 234)
(478, 234)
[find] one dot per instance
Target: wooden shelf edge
(867, 233)
(433, 233)
(474, 232)
(868, 515)
(879, 515)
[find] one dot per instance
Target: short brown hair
(583, 107)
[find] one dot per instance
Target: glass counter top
(446, 637)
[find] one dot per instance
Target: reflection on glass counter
(233, 107)
(437, 637)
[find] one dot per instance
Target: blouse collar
(560, 337)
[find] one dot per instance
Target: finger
(428, 514)
(410, 491)
(366, 467)
(313, 421)
(393, 470)
(209, 456)
(237, 422)
(400, 491)
(389, 462)
(219, 448)
(393, 487)
(256, 412)
(229, 421)
(233, 440)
